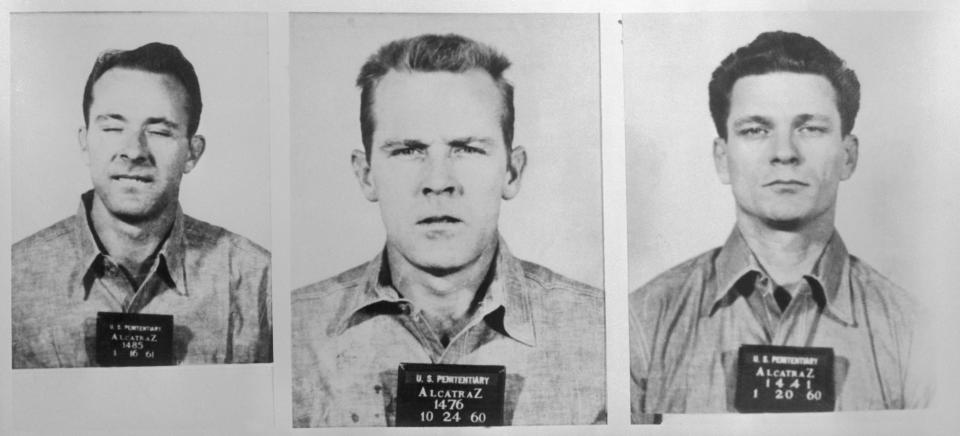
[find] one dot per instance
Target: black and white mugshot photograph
(780, 187)
(140, 185)
(446, 220)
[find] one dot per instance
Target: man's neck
(447, 301)
(786, 254)
(130, 244)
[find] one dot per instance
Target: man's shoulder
(676, 283)
(316, 307)
(559, 288)
(46, 256)
(201, 235)
(332, 287)
(881, 293)
(55, 237)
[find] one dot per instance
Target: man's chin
(439, 265)
(442, 256)
(442, 259)
(133, 217)
(134, 212)
(789, 219)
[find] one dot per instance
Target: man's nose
(784, 149)
(440, 176)
(135, 146)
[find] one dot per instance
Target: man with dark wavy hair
(88, 289)
(780, 318)
(436, 117)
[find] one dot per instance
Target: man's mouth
(132, 177)
(785, 182)
(439, 219)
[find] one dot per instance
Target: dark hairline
(779, 51)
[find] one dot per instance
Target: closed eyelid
(816, 120)
(162, 122)
(752, 121)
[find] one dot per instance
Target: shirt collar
(507, 300)
(830, 274)
(170, 256)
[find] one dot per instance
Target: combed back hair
(429, 53)
(154, 57)
(789, 52)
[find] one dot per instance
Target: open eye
(753, 132)
(812, 130)
(467, 149)
(406, 151)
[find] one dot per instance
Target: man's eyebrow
(470, 140)
(753, 119)
(162, 120)
(803, 118)
(105, 117)
(411, 143)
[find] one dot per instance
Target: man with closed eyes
(88, 289)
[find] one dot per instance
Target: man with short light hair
(781, 318)
(445, 295)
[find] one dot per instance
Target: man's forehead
(439, 104)
(132, 88)
(784, 93)
(473, 84)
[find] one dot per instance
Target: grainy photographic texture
(442, 323)
(129, 278)
(782, 317)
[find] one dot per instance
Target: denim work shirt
(687, 325)
(216, 284)
(351, 332)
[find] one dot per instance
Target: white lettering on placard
(475, 393)
(793, 360)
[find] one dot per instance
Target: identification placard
(784, 379)
(134, 339)
(431, 395)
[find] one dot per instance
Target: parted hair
(784, 51)
(154, 57)
(430, 53)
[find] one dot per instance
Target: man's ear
(720, 160)
(851, 149)
(361, 169)
(516, 163)
(195, 147)
(84, 147)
